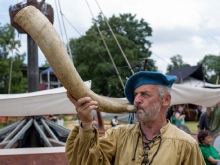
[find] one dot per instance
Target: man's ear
(166, 100)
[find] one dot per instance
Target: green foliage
(177, 62)
(93, 62)
(9, 45)
(46, 64)
(211, 67)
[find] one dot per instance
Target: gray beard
(150, 113)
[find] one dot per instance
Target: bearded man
(153, 140)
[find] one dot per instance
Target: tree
(7, 44)
(211, 67)
(46, 64)
(177, 62)
(93, 62)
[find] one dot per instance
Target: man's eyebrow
(142, 91)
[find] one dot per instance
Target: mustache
(138, 106)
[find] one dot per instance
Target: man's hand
(84, 106)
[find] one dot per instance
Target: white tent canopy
(55, 101)
(190, 81)
(182, 94)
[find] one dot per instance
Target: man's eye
(146, 94)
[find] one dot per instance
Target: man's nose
(137, 99)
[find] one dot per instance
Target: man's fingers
(86, 102)
(86, 105)
(83, 106)
(71, 98)
(86, 110)
(80, 102)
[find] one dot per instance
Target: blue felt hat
(146, 77)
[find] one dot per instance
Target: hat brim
(146, 77)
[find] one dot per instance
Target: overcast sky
(190, 28)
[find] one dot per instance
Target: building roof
(182, 73)
(50, 70)
(24, 70)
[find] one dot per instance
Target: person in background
(210, 154)
(198, 111)
(52, 118)
(60, 120)
(204, 122)
(214, 116)
(179, 115)
(114, 121)
(171, 115)
(153, 140)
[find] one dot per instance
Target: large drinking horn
(46, 37)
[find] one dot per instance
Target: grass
(192, 125)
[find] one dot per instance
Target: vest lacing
(146, 148)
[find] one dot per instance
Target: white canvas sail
(55, 101)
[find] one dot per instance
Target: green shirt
(123, 145)
(215, 116)
(182, 121)
(208, 151)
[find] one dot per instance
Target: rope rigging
(68, 45)
(107, 48)
(115, 67)
(106, 20)
(87, 42)
(114, 76)
(161, 58)
(59, 22)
